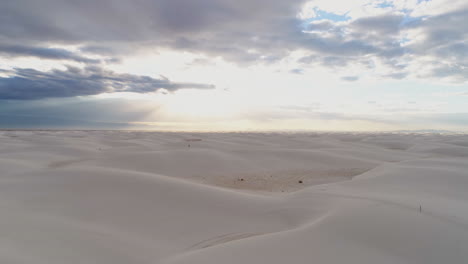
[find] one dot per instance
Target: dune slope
(147, 197)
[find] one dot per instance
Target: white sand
(135, 197)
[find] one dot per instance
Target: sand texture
(121, 197)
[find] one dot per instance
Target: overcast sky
(355, 65)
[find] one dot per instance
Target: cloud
(45, 53)
(29, 84)
(397, 75)
(141, 20)
(443, 45)
(297, 71)
(396, 37)
(242, 31)
(350, 78)
(248, 32)
(383, 24)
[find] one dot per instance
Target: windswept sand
(144, 197)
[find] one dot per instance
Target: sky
(234, 65)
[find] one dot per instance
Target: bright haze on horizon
(234, 65)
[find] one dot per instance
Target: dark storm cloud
(28, 84)
(45, 53)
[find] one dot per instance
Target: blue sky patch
(385, 4)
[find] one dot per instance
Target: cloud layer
(28, 84)
(395, 38)
(264, 51)
(44, 53)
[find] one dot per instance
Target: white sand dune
(146, 197)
